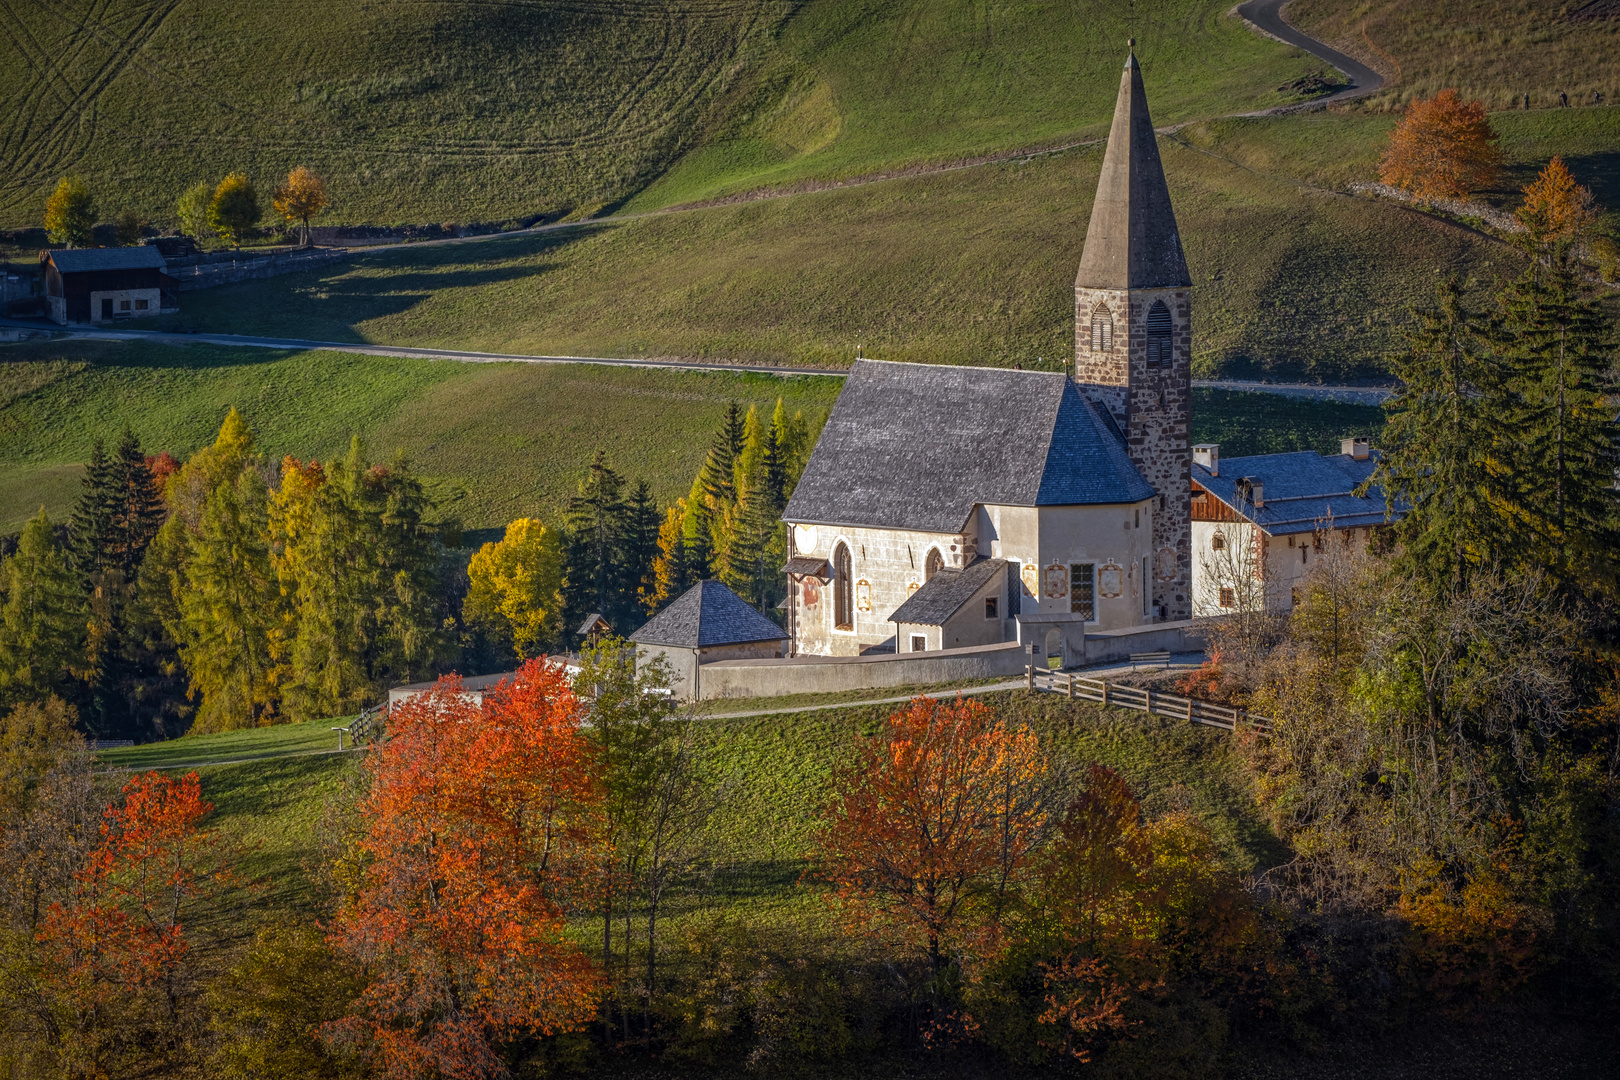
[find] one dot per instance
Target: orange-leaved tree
(934, 819)
(1443, 148)
(301, 197)
(1556, 207)
(115, 953)
(479, 826)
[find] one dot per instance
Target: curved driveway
(1266, 16)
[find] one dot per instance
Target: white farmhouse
(1258, 522)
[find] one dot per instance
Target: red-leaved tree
(116, 950)
(934, 818)
(479, 828)
(1443, 148)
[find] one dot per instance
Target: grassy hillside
(1496, 51)
(445, 111)
(494, 441)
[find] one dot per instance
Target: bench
(1161, 658)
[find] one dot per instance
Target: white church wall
(886, 567)
(1114, 540)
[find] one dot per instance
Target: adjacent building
(952, 506)
(707, 622)
(1258, 522)
(104, 285)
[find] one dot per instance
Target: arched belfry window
(934, 564)
(843, 595)
(1159, 329)
(1102, 329)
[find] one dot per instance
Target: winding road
(1266, 17)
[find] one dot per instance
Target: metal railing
(1144, 699)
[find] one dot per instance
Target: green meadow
(492, 441)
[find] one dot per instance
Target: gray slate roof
(1132, 241)
(917, 446)
(707, 614)
(943, 595)
(80, 260)
(1301, 491)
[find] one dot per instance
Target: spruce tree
(697, 530)
(593, 570)
(140, 511)
(42, 623)
(92, 524)
(1558, 457)
(1438, 443)
(641, 552)
(719, 469)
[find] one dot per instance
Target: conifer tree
(91, 525)
(670, 572)
(697, 531)
(641, 551)
(594, 576)
(776, 468)
(1437, 446)
(719, 470)
(139, 507)
(1557, 349)
(41, 618)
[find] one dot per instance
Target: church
(947, 507)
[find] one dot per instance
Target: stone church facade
(945, 507)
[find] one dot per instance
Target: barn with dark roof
(103, 285)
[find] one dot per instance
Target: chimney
(1209, 456)
(1355, 446)
(1252, 490)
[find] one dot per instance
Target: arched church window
(934, 564)
(1158, 334)
(843, 597)
(1102, 329)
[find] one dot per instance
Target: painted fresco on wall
(1057, 581)
(1167, 564)
(1110, 580)
(812, 591)
(863, 595)
(1032, 580)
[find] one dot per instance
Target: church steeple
(1132, 242)
(1133, 331)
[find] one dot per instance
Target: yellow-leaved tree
(515, 586)
(301, 197)
(1555, 206)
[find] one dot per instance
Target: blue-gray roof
(917, 446)
(80, 260)
(707, 614)
(1300, 491)
(943, 595)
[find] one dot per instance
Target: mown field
(493, 441)
(449, 111)
(974, 266)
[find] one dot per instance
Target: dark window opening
(1102, 330)
(919, 643)
(1158, 334)
(1228, 598)
(141, 305)
(1083, 590)
(990, 606)
(843, 600)
(934, 563)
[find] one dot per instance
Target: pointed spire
(1132, 242)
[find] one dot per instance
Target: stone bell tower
(1133, 331)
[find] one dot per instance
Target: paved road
(1354, 395)
(1267, 17)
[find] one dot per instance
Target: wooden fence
(1146, 700)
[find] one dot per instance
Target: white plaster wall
(889, 561)
(153, 298)
(1116, 535)
(1285, 562)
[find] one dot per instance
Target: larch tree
(1443, 148)
(301, 197)
(42, 618)
(670, 570)
(70, 214)
(916, 830)
(234, 209)
(480, 830)
(1555, 207)
(514, 586)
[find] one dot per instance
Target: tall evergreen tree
(719, 469)
(41, 619)
(91, 525)
(641, 526)
(697, 533)
(1557, 351)
(594, 575)
(776, 471)
(1438, 443)
(139, 505)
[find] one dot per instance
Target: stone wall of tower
(1153, 407)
